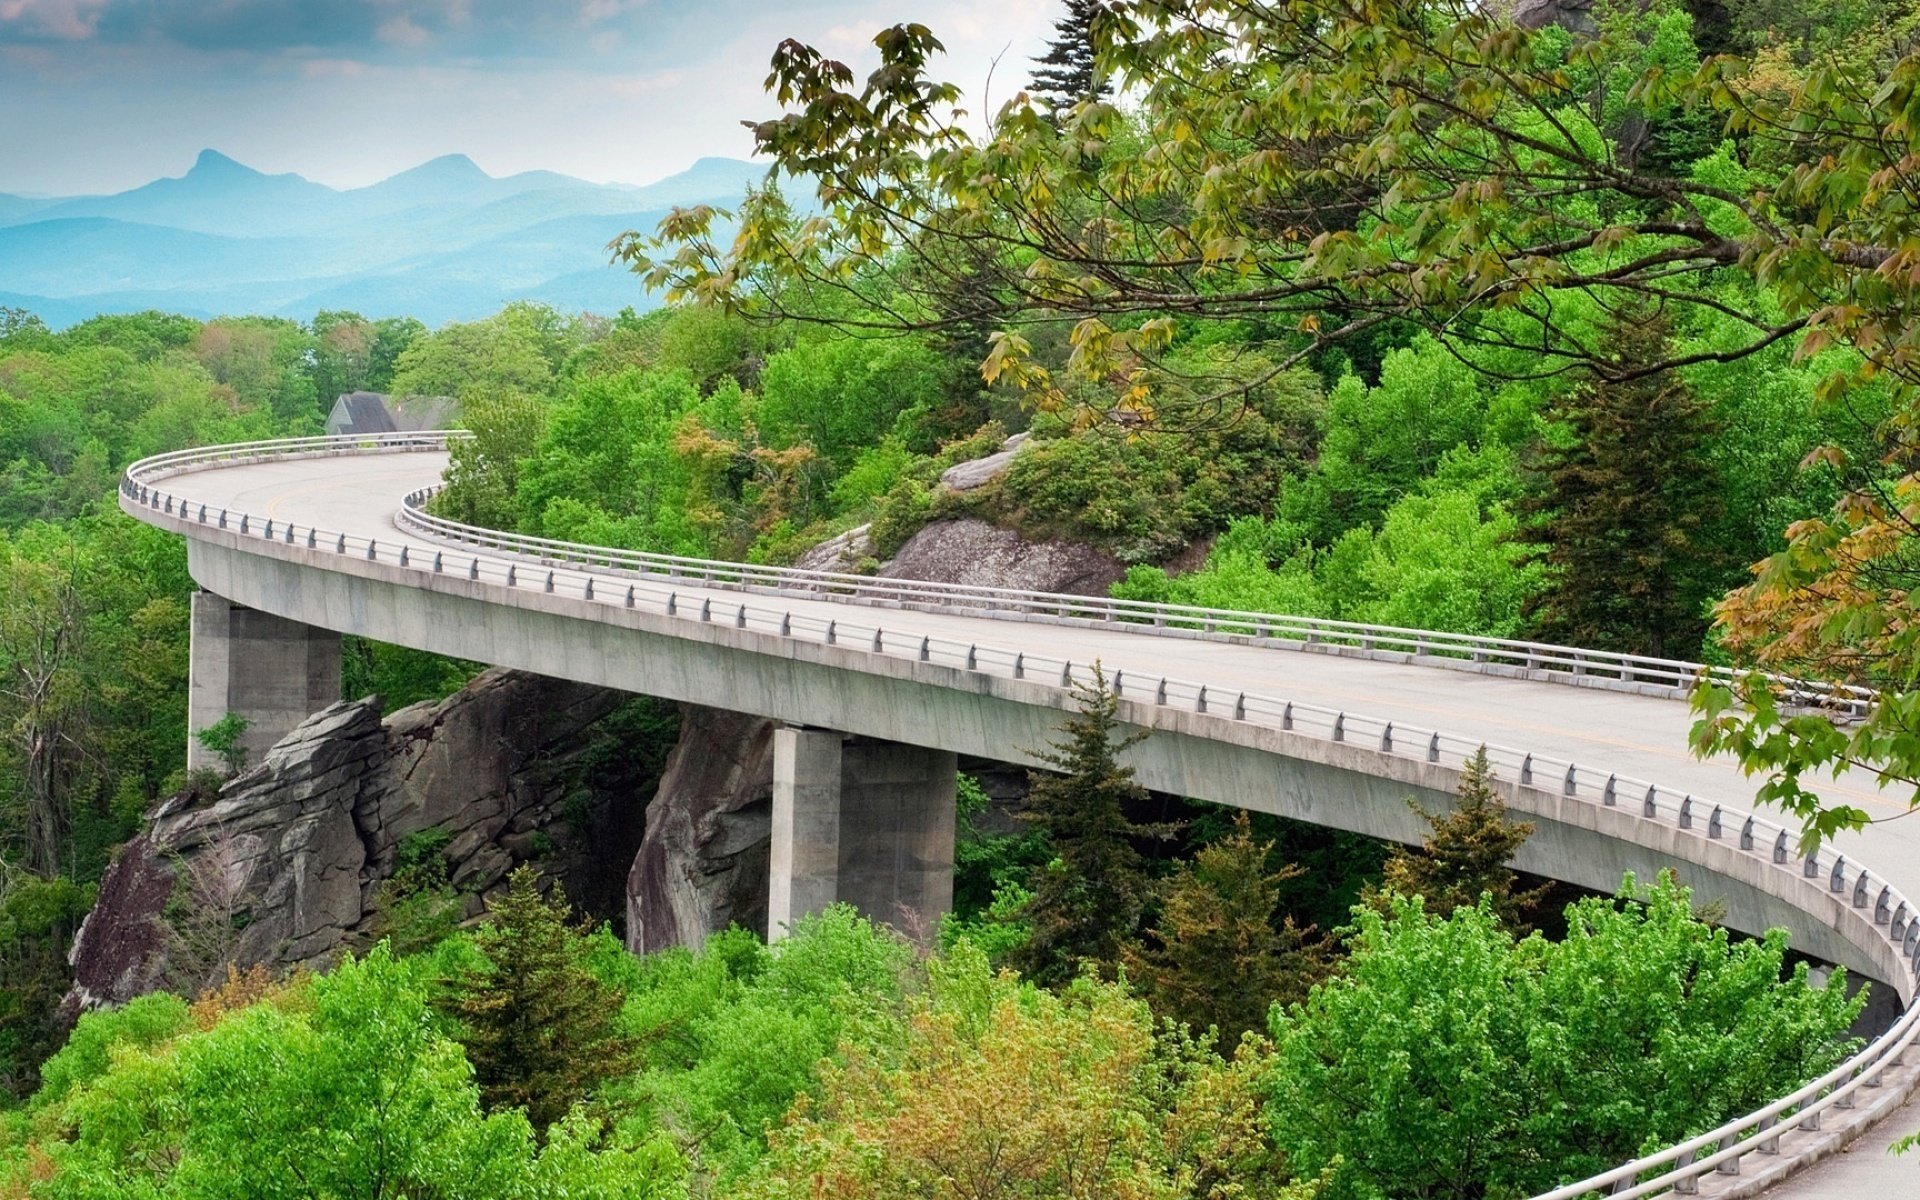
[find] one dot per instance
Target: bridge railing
(685, 592)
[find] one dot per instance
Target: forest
(1551, 333)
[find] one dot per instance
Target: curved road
(1634, 735)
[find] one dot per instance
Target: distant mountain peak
(448, 166)
(212, 162)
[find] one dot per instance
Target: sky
(102, 95)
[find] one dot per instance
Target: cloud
(49, 20)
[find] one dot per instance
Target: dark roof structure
(375, 412)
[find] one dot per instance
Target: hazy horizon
(107, 95)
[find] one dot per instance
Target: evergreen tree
(1623, 506)
(1220, 954)
(1466, 855)
(1066, 74)
(1089, 898)
(540, 1029)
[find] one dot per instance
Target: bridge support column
(866, 823)
(274, 672)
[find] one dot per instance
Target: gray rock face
(842, 553)
(703, 862)
(972, 551)
(1575, 16)
(281, 865)
(964, 477)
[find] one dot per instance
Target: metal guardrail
(673, 586)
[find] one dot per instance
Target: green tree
(1221, 951)
(1462, 862)
(541, 1030)
(1625, 503)
(223, 738)
(1447, 1059)
(1069, 72)
(1088, 899)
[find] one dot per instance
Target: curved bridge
(1320, 721)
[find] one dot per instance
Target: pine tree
(1624, 505)
(1465, 856)
(1089, 898)
(1066, 74)
(540, 1029)
(1220, 954)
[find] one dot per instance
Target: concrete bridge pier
(862, 822)
(274, 672)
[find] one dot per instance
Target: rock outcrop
(843, 553)
(703, 862)
(972, 551)
(280, 865)
(978, 472)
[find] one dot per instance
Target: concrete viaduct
(881, 683)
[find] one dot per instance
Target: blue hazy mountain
(442, 241)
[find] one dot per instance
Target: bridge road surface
(1621, 732)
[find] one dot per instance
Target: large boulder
(280, 865)
(972, 551)
(703, 862)
(978, 472)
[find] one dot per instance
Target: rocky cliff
(280, 865)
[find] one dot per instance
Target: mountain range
(444, 241)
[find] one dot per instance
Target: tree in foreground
(341, 1086)
(1465, 856)
(1448, 1059)
(991, 1088)
(541, 1030)
(1624, 506)
(1089, 898)
(1220, 953)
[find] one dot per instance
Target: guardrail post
(1160, 693)
(1386, 737)
(1767, 1145)
(1883, 905)
(403, 556)
(879, 645)
(372, 550)
(203, 514)
(1713, 822)
(1433, 747)
(1286, 716)
(1119, 683)
(786, 624)
(1746, 835)
(1810, 867)
(1340, 727)
(549, 584)
(589, 592)
(1650, 807)
(513, 575)
(1019, 666)
(973, 658)
(1608, 796)
(473, 567)
(1844, 1100)
(312, 537)
(673, 604)
(629, 595)
(1571, 782)
(1686, 812)
(1732, 1165)
(1686, 1185)
(1240, 707)
(1526, 771)
(289, 533)
(243, 522)
(267, 533)
(739, 616)
(1066, 673)
(223, 518)
(1200, 701)
(1837, 882)
(706, 609)
(1860, 890)
(926, 647)
(1780, 848)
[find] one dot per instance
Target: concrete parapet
(274, 672)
